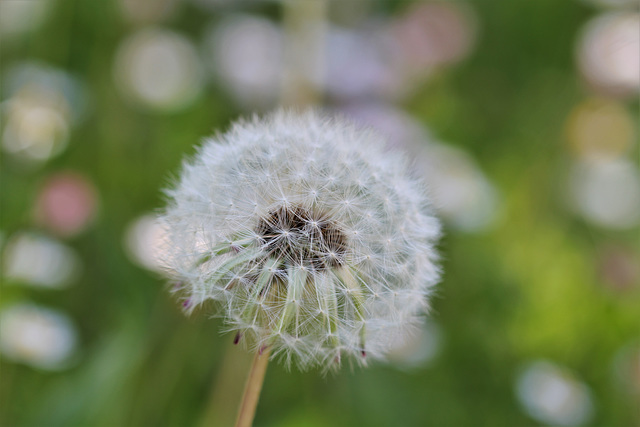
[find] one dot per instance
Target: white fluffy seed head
(308, 233)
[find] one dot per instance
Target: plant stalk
(252, 388)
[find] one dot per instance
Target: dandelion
(310, 235)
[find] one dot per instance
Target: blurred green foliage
(526, 289)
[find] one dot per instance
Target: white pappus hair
(308, 233)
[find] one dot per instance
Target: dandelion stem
(252, 389)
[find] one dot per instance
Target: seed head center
(303, 237)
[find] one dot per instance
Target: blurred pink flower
(66, 203)
(430, 34)
(619, 269)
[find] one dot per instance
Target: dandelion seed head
(312, 237)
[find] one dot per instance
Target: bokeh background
(522, 116)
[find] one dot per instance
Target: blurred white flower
(36, 336)
(550, 395)
(158, 69)
(310, 235)
(460, 190)
(247, 54)
(389, 59)
(40, 107)
(401, 131)
(607, 193)
(144, 242)
(609, 52)
(36, 260)
(36, 126)
(419, 349)
(17, 17)
(360, 63)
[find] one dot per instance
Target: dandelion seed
(312, 238)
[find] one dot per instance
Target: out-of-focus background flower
(522, 116)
